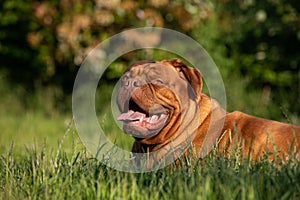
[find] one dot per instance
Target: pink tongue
(130, 115)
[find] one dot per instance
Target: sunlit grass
(41, 157)
(32, 129)
(58, 175)
(47, 161)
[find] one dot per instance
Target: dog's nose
(136, 83)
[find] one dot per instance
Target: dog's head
(153, 96)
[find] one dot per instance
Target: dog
(162, 106)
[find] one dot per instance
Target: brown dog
(163, 108)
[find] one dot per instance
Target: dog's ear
(192, 75)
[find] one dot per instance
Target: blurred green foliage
(263, 40)
(255, 43)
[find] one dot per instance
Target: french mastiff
(163, 108)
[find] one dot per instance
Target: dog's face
(154, 94)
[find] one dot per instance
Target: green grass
(54, 165)
(41, 157)
(56, 175)
(32, 130)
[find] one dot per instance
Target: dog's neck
(203, 113)
(173, 147)
(212, 117)
(205, 106)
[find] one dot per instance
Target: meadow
(255, 45)
(69, 172)
(41, 157)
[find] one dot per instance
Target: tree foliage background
(257, 43)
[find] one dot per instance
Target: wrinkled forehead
(158, 68)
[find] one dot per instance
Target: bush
(42, 43)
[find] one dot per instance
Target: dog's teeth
(142, 118)
(153, 118)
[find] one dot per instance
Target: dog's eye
(158, 81)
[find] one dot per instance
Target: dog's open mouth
(141, 123)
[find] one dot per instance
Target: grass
(66, 171)
(32, 130)
(56, 175)
(41, 157)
